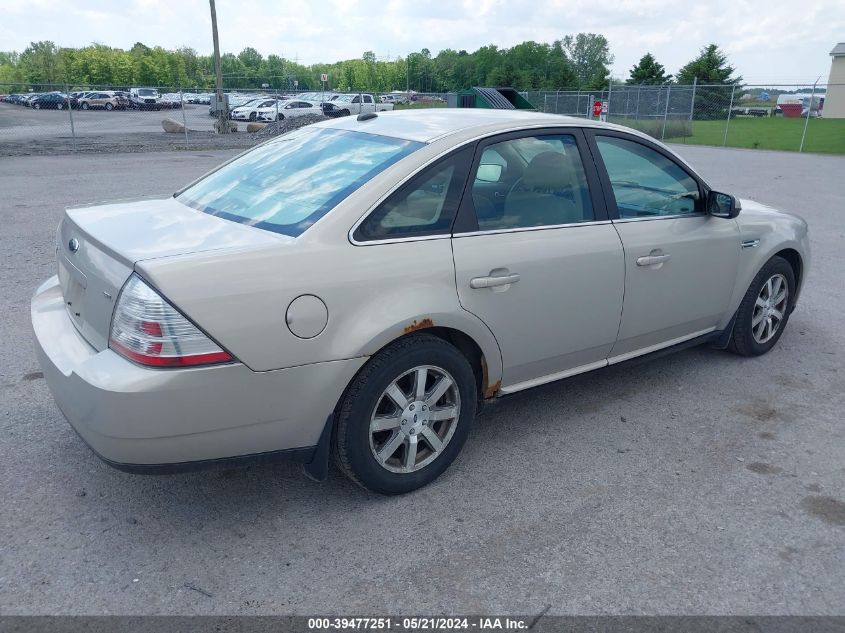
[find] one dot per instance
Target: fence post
(70, 114)
(546, 102)
(609, 88)
(279, 127)
(807, 120)
(728, 121)
(184, 122)
(590, 107)
(557, 102)
(637, 113)
(692, 103)
(666, 111)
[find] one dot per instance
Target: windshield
(289, 183)
(146, 92)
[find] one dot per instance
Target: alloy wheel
(770, 308)
(414, 419)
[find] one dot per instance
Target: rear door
(680, 262)
(544, 269)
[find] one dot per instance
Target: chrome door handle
(650, 260)
(492, 282)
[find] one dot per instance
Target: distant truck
(360, 103)
(144, 99)
(796, 105)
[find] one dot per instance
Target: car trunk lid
(97, 248)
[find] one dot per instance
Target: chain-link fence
(49, 119)
(778, 117)
(41, 119)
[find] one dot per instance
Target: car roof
(430, 124)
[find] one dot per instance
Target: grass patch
(825, 136)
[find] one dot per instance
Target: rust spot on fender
(492, 390)
(418, 325)
(488, 391)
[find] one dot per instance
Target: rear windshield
(288, 184)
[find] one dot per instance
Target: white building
(834, 102)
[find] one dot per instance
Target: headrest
(549, 170)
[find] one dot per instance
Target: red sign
(597, 108)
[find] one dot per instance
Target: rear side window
(289, 183)
(541, 183)
(425, 205)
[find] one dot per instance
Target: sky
(769, 41)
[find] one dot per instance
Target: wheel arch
(793, 257)
(479, 348)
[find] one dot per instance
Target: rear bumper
(152, 420)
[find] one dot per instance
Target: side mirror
(722, 205)
(489, 172)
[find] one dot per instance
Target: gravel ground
(27, 132)
(698, 483)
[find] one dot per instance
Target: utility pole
(222, 108)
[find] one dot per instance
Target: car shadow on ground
(595, 399)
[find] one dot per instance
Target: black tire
(344, 113)
(85, 105)
(743, 341)
(109, 107)
(37, 106)
(351, 436)
(281, 117)
(252, 116)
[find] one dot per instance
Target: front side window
(289, 183)
(426, 205)
(645, 182)
(538, 181)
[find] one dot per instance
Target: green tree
(39, 63)
(716, 80)
(710, 67)
(590, 56)
(648, 71)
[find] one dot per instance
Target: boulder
(172, 127)
(254, 127)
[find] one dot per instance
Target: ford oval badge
(73, 245)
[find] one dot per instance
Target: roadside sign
(324, 77)
(597, 108)
(296, 83)
(604, 107)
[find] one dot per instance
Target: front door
(537, 259)
(680, 262)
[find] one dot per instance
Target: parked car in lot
(288, 110)
(249, 110)
(170, 101)
(344, 105)
(442, 258)
(104, 100)
(144, 99)
(53, 100)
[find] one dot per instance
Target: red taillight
(148, 330)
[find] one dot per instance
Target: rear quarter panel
(374, 294)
